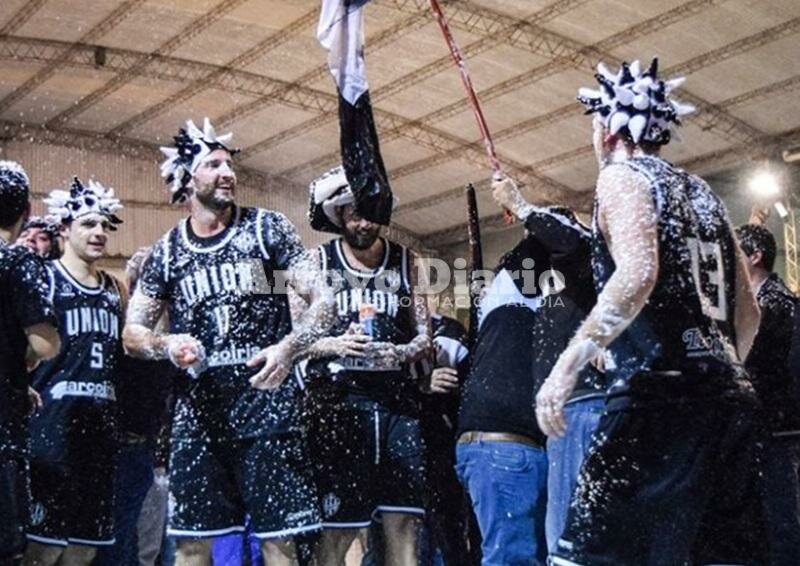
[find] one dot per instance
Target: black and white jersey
(24, 302)
(228, 291)
(687, 324)
(388, 289)
(78, 385)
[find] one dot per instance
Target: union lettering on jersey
(228, 292)
(387, 289)
(78, 385)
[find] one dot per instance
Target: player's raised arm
(747, 314)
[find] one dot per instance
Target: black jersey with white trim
(24, 302)
(78, 386)
(388, 289)
(228, 291)
(686, 325)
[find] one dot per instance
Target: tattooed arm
(142, 341)
(391, 355)
(306, 278)
(628, 220)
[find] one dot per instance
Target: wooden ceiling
(134, 70)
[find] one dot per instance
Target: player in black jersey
(237, 449)
(73, 436)
(672, 476)
(27, 325)
(365, 430)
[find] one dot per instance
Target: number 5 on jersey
(97, 356)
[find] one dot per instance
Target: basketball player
(671, 477)
(236, 448)
(27, 323)
(366, 435)
(74, 434)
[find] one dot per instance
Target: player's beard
(212, 201)
(361, 239)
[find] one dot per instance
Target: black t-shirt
(568, 243)
(522, 332)
(768, 361)
(226, 291)
(24, 302)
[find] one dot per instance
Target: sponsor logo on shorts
(104, 390)
(37, 514)
(330, 504)
(299, 516)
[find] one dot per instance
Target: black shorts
(72, 503)
(368, 461)
(14, 500)
(669, 485)
(215, 485)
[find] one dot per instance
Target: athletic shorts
(669, 485)
(72, 503)
(215, 485)
(368, 461)
(14, 500)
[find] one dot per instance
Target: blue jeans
(566, 456)
(507, 483)
(133, 480)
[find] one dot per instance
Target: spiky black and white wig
(192, 145)
(84, 199)
(634, 104)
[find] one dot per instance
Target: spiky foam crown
(82, 199)
(192, 145)
(636, 104)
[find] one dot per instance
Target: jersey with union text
(78, 385)
(686, 326)
(388, 289)
(228, 292)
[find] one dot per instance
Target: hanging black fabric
(362, 161)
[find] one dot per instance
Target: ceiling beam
(183, 36)
(257, 180)
(494, 30)
(210, 79)
(19, 19)
(709, 116)
(767, 146)
(55, 65)
(571, 55)
(376, 42)
(781, 87)
(137, 149)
